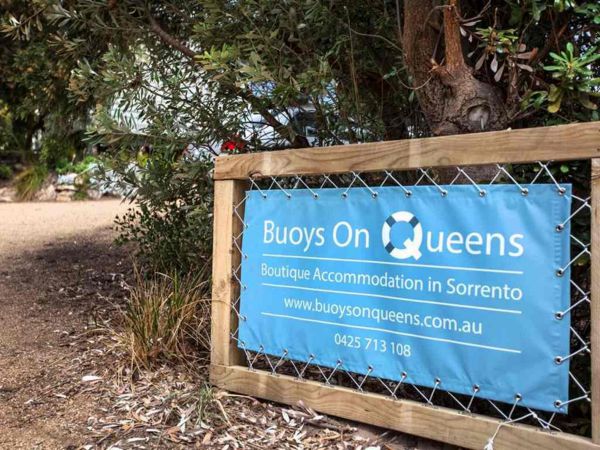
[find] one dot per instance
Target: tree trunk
(452, 99)
(33, 126)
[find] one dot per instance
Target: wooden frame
(564, 142)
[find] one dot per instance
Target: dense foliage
(35, 111)
(171, 223)
(186, 76)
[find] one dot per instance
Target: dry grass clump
(167, 317)
(30, 181)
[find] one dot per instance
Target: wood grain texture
(595, 300)
(225, 257)
(562, 142)
(442, 424)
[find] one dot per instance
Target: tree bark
(452, 99)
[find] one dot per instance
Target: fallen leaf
(89, 378)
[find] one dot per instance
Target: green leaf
(586, 102)
(554, 93)
(557, 57)
(554, 106)
(536, 10)
(570, 48)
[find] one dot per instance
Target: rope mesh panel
(522, 175)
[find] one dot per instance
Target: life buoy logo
(410, 246)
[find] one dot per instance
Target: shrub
(80, 194)
(56, 151)
(171, 224)
(6, 172)
(30, 181)
(167, 318)
(79, 167)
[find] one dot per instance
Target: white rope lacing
(308, 368)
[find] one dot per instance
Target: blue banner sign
(455, 291)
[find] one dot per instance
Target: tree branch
(453, 47)
(557, 35)
(170, 40)
(286, 132)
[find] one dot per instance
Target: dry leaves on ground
(167, 408)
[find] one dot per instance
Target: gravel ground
(27, 226)
(56, 262)
(62, 385)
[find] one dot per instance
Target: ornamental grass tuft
(167, 317)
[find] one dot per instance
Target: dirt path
(61, 384)
(58, 267)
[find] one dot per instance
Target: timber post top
(560, 142)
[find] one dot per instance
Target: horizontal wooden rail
(407, 416)
(562, 142)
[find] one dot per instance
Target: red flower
(228, 146)
(233, 145)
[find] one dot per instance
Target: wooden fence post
(228, 194)
(595, 299)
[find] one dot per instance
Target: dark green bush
(171, 222)
(64, 166)
(56, 152)
(6, 172)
